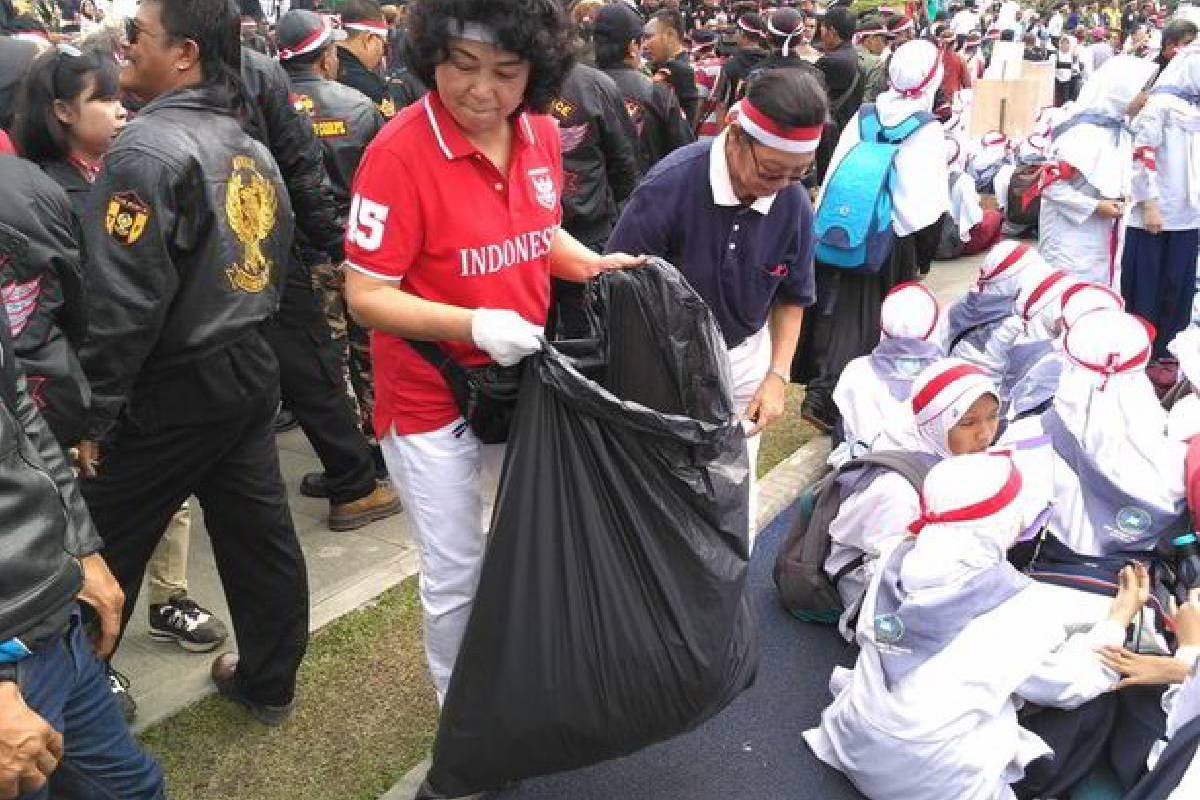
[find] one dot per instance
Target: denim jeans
(67, 686)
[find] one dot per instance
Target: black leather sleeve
(617, 140)
(298, 153)
(81, 536)
(133, 275)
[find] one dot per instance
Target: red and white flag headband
(913, 92)
(770, 133)
(311, 43)
(904, 27)
(379, 28)
(985, 508)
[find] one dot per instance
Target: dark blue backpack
(854, 219)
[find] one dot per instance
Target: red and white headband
(993, 139)
(983, 509)
(379, 28)
(311, 43)
(911, 286)
(940, 382)
(1047, 283)
(1006, 263)
(903, 27)
(770, 133)
(918, 90)
(1113, 363)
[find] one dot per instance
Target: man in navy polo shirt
(731, 214)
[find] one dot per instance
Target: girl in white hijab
(872, 392)
(954, 411)
(1032, 392)
(953, 641)
(1159, 261)
(1085, 184)
(1118, 477)
(982, 326)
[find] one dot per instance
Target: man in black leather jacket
(600, 170)
(311, 371)
(188, 229)
(50, 679)
(657, 117)
(363, 51)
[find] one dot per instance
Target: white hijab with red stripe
(942, 395)
(1108, 404)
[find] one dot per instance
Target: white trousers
(749, 363)
(448, 486)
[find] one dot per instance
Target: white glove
(505, 335)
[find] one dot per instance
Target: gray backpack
(807, 592)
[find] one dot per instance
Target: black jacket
(15, 57)
(682, 78)
(344, 121)
(731, 84)
(44, 524)
(842, 81)
(44, 293)
(660, 124)
(289, 136)
(599, 152)
(187, 229)
(355, 74)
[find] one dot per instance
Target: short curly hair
(536, 30)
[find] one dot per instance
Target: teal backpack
(854, 220)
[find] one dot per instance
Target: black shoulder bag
(486, 396)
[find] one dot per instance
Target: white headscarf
(1186, 348)
(1039, 304)
(1009, 267)
(1104, 157)
(1084, 298)
(990, 149)
(915, 74)
(948, 555)
(910, 311)
(1109, 406)
(941, 395)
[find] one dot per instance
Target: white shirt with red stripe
(433, 216)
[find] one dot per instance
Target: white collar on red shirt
(722, 185)
(450, 138)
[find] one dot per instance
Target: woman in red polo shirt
(453, 235)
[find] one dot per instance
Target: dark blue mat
(753, 749)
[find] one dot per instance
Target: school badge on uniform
(889, 628)
(125, 217)
(1133, 523)
(250, 208)
(543, 187)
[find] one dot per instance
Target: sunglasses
(133, 31)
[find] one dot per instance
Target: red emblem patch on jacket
(20, 301)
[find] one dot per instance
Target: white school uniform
(1170, 126)
(932, 733)
(1072, 236)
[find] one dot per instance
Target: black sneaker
(118, 684)
(181, 619)
(818, 412)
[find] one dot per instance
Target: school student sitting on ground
(1031, 392)
(872, 395)
(982, 326)
(954, 640)
(955, 411)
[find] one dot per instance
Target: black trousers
(208, 429)
(311, 384)
(844, 323)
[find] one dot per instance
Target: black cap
(300, 31)
(617, 22)
(841, 20)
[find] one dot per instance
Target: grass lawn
(367, 712)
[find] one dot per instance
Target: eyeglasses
(133, 31)
(768, 178)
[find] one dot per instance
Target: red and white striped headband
(1113, 365)
(993, 139)
(1039, 291)
(770, 133)
(1118, 301)
(903, 27)
(993, 33)
(379, 28)
(1007, 263)
(863, 34)
(919, 89)
(309, 44)
(940, 383)
(985, 508)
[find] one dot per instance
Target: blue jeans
(66, 685)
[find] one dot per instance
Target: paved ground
(348, 569)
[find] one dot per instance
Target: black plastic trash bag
(610, 612)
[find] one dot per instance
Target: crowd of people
(218, 222)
